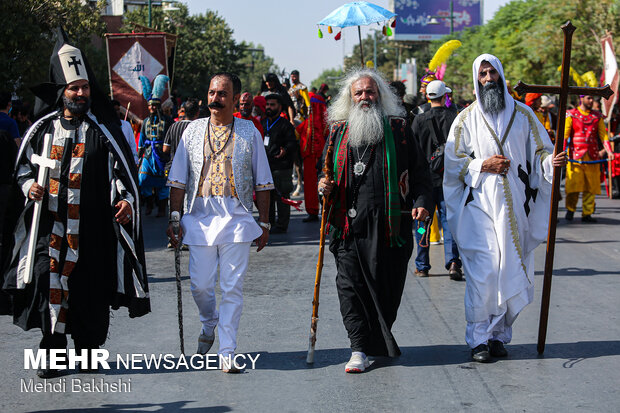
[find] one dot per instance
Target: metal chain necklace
(360, 167)
(230, 132)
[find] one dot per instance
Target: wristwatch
(265, 225)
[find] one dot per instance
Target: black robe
(371, 274)
(95, 284)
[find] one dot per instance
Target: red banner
(610, 74)
(131, 55)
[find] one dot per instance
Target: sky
(287, 30)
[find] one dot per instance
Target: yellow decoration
(370, 64)
(443, 53)
(590, 79)
(320, 33)
(576, 77)
(306, 96)
(329, 29)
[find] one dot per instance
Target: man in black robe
(381, 183)
(89, 253)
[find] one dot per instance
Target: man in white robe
(219, 162)
(497, 187)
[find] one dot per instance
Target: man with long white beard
(381, 183)
(497, 189)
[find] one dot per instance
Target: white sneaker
(357, 363)
(205, 341)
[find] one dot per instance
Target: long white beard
(365, 125)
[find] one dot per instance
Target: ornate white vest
(241, 162)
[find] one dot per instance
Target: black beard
(76, 108)
(271, 113)
(492, 96)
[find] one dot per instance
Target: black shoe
(497, 349)
(310, 218)
(588, 218)
(569, 215)
(277, 230)
(481, 354)
(455, 272)
(47, 373)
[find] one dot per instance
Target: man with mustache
(381, 184)
(498, 164)
(218, 163)
(89, 255)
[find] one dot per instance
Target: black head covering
(68, 64)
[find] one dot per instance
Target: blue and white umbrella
(357, 13)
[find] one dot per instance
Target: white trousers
(495, 328)
(233, 263)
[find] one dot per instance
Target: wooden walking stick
(563, 90)
(328, 172)
(175, 217)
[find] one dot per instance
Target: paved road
(580, 370)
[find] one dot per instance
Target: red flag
(610, 74)
(131, 55)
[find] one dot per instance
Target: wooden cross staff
(563, 90)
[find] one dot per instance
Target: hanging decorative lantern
(338, 36)
(329, 29)
(393, 23)
(384, 31)
(388, 31)
(320, 33)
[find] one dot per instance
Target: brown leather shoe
(455, 272)
(421, 273)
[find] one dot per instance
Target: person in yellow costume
(583, 129)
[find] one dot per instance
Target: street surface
(580, 369)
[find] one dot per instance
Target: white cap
(437, 89)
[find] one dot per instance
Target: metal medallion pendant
(352, 213)
(358, 168)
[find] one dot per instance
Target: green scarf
(339, 220)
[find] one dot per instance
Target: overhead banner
(414, 17)
(610, 74)
(131, 55)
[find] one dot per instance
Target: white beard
(365, 125)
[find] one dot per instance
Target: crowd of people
(383, 165)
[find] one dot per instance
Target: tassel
(394, 23)
(329, 29)
(320, 33)
(338, 36)
(346, 227)
(388, 31)
(443, 53)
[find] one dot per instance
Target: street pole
(451, 17)
(374, 56)
(150, 13)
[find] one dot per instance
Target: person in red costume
(312, 139)
(246, 104)
(584, 127)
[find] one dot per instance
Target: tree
(27, 39)
(526, 36)
(205, 46)
(255, 64)
(331, 77)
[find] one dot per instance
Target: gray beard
(492, 97)
(365, 125)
